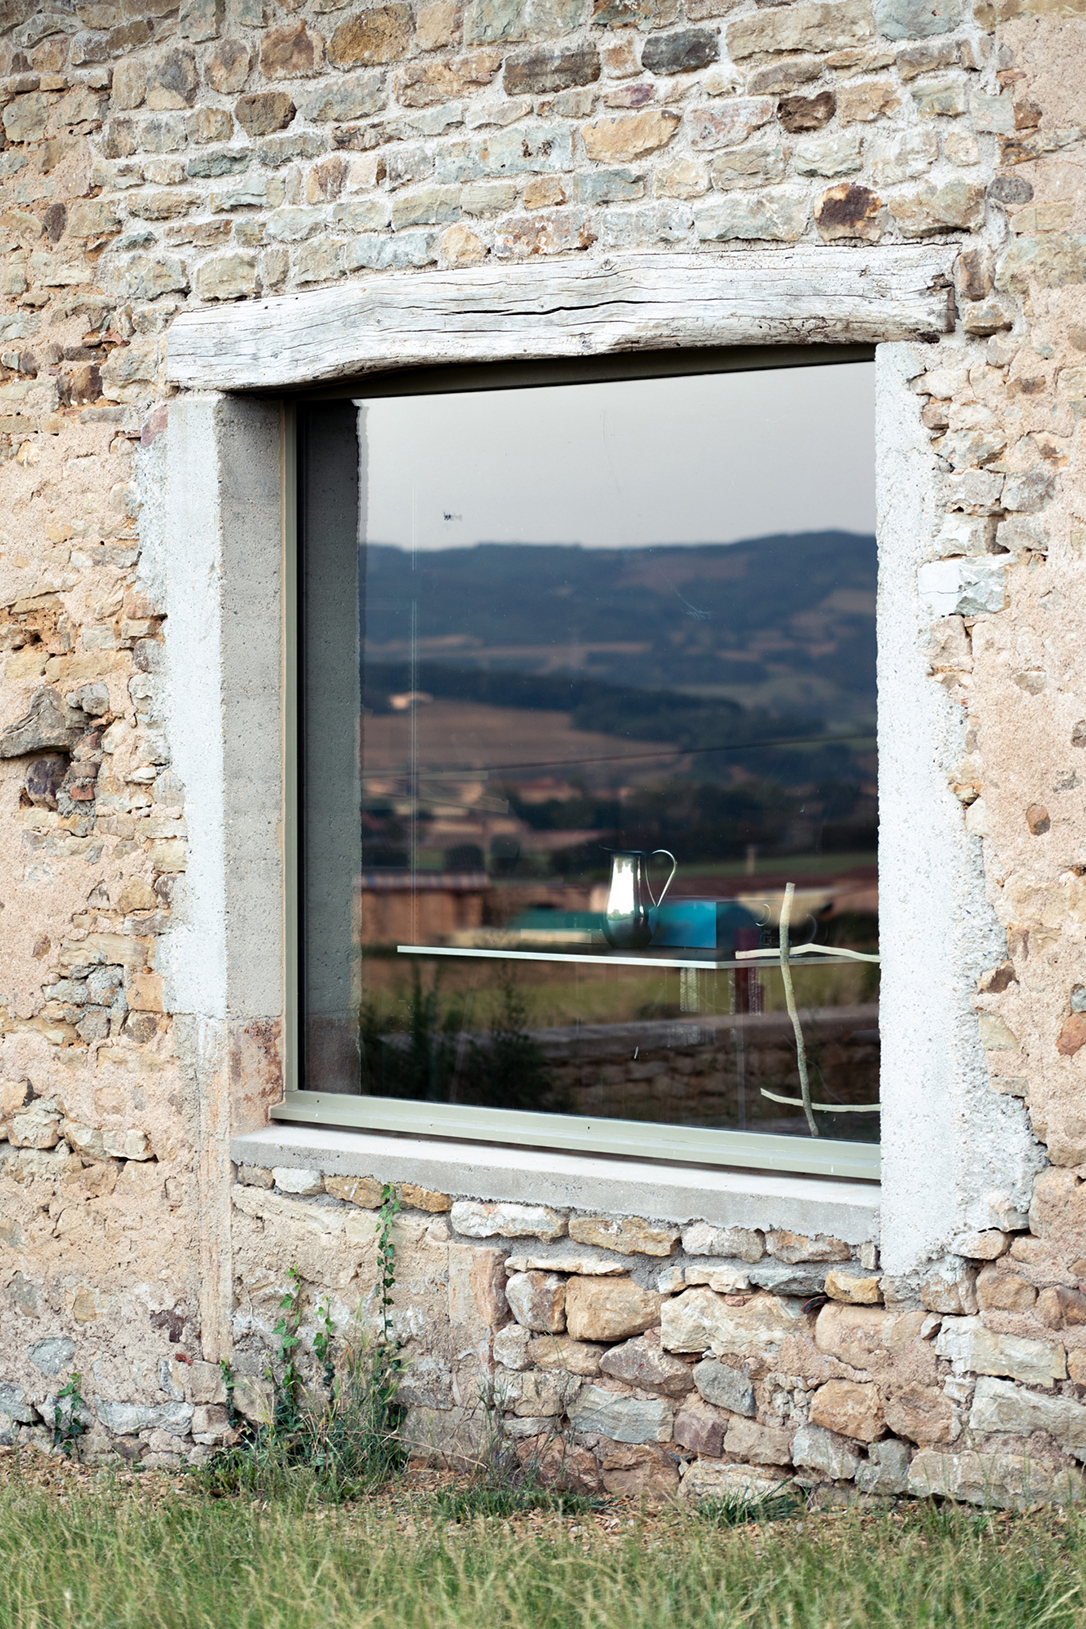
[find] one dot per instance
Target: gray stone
(751, 165)
(48, 723)
(678, 53)
(1001, 1406)
(227, 277)
(1027, 493)
(1008, 1481)
(545, 69)
(784, 1280)
(393, 254)
(623, 1419)
(524, 150)
(609, 187)
(887, 1470)
(808, 26)
(1010, 189)
(354, 97)
(201, 19)
(759, 1444)
(706, 1480)
(700, 1320)
(726, 1387)
(13, 1403)
(490, 20)
(506, 1220)
(52, 1355)
(820, 1450)
(916, 19)
(834, 154)
(126, 1419)
(222, 161)
(425, 206)
(146, 277)
(777, 215)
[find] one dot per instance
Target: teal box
(703, 924)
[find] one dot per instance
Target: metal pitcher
(626, 924)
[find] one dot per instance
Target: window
(587, 704)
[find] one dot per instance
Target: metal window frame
(689, 1145)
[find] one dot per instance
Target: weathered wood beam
(503, 313)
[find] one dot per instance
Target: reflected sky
(731, 456)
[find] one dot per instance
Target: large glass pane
(587, 637)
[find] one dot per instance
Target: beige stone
(560, 1352)
(727, 125)
(987, 1245)
(34, 1127)
(629, 1235)
(706, 1479)
(620, 140)
(363, 1191)
(983, 1351)
(1012, 1481)
(853, 1287)
(938, 207)
(924, 1414)
(703, 1239)
(263, 112)
(1076, 1367)
(700, 1320)
(538, 1301)
(437, 24)
(256, 1176)
(508, 1220)
(146, 992)
(682, 178)
(460, 246)
(609, 1309)
(413, 1197)
(759, 1444)
(950, 1288)
(852, 1408)
(13, 1094)
(806, 26)
(1059, 1308)
(861, 1335)
(866, 100)
(1004, 1292)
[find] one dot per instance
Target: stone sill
(674, 1193)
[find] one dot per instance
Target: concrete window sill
(727, 1198)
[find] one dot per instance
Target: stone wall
(155, 158)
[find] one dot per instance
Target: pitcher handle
(671, 878)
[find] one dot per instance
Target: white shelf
(602, 959)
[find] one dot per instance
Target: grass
(79, 1550)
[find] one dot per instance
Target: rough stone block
(545, 70)
(751, 165)
(887, 1470)
(759, 1444)
(563, 1257)
(34, 1127)
(961, 588)
(291, 1179)
(412, 1197)
(701, 1428)
(709, 128)
(610, 1309)
(629, 1235)
(1000, 1406)
(642, 1469)
(806, 26)
(819, 1450)
(479, 1220)
(391, 254)
(356, 97)
(126, 1419)
(641, 1362)
(363, 1191)
(1027, 493)
(706, 1480)
(1004, 1292)
(510, 1347)
(1008, 1481)
(858, 1289)
(938, 207)
(853, 1408)
(922, 1413)
(718, 1275)
(699, 1320)
(777, 215)
(965, 1341)
(560, 1352)
(541, 1396)
(623, 139)
(916, 19)
(848, 211)
(681, 51)
(623, 1419)
(726, 1387)
(538, 1301)
(836, 153)
(291, 52)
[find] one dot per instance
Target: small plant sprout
(67, 1426)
